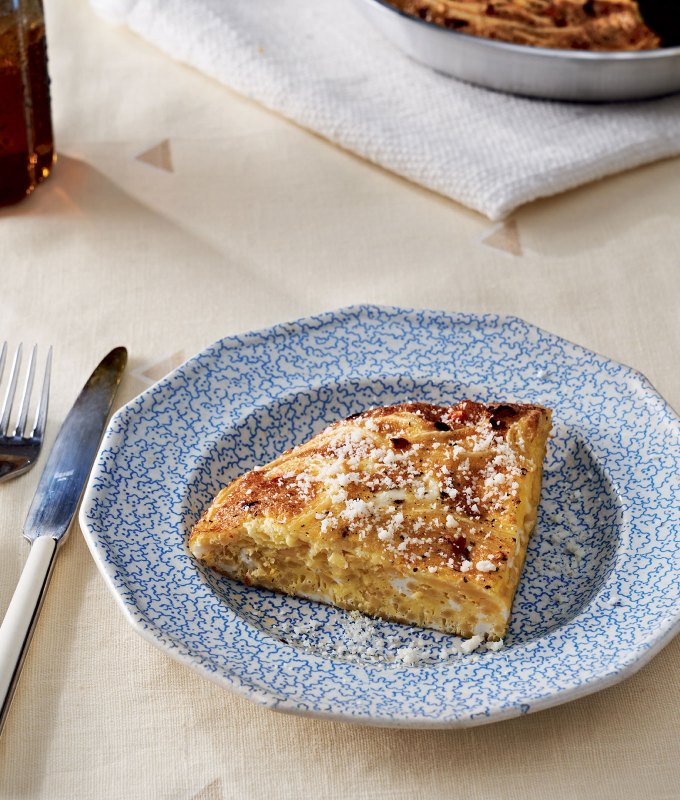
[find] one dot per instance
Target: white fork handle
(19, 623)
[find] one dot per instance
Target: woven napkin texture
(319, 63)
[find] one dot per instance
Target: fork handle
(22, 614)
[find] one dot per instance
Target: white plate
(580, 622)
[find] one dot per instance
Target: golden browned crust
(414, 512)
(603, 25)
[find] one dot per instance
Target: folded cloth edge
(119, 12)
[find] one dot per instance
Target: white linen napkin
(319, 63)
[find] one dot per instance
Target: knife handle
(22, 614)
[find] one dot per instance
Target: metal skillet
(532, 71)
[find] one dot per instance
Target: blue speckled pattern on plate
(599, 594)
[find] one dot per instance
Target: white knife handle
(22, 614)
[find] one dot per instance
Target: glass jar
(26, 145)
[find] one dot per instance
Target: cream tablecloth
(179, 213)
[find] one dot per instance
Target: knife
(53, 507)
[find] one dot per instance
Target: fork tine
(41, 411)
(11, 390)
(3, 354)
(28, 386)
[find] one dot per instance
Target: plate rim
(638, 657)
(607, 56)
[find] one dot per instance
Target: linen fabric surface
(322, 65)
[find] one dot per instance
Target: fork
(18, 451)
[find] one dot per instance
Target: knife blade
(52, 510)
(63, 479)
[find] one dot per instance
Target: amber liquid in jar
(26, 144)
